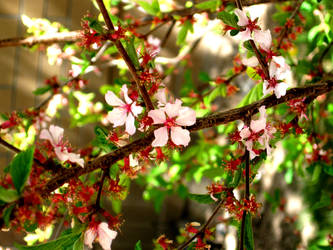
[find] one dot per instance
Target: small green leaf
(138, 245)
(316, 173)
(325, 201)
(234, 32)
(20, 168)
(150, 9)
(114, 171)
(248, 237)
(42, 90)
(252, 73)
(78, 245)
(94, 24)
(228, 19)
(156, 6)
(131, 51)
(8, 195)
(6, 214)
(208, 5)
(328, 169)
(201, 198)
(186, 26)
(247, 45)
(64, 242)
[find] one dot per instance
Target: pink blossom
(124, 112)
(172, 116)
(55, 136)
(278, 71)
(104, 234)
(259, 131)
(263, 38)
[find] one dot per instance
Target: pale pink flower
(153, 45)
(258, 131)
(124, 112)
(252, 30)
(104, 234)
(55, 136)
(172, 116)
(278, 71)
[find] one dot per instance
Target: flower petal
(117, 117)
(243, 20)
(266, 90)
(75, 158)
(57, 133)
(186, 117)
(245, 133)
(113, 100)
(244, 35)
(124, 89)
(263, 38)
(280, 89)
(172, 109)
(105, 235)
(89, 237)
(157, 115)
(180, 136)
(136, 110)
(61, 153)
(130, 126)
(161, 137)
(258, 125)
(250, 62)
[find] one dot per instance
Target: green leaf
(78, 244)
(6, 214)
(138, 245)
(228, 19)
(150, 9)
(94, 24)
(252, 73)
(131, 51)
(234, 32)
(254, 95)
(114, 171)
(201, 198)
(248, 237)
(328, 169)
(61, 243)
(325, 201)
(101, 141)
(20, 168)
(187, 26)
(248, 45)
(156, 6)
(116, 206)
(8, 195)
(316, 173)
(208, 5)
(42, 90)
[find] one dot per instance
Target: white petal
(113, 100)
(45, 134)
(105, 236)
(172, 109)
(258, 125)
(89, 237)
(161, 96)
(280, 89)
(266, 90)
(117, 117)
(186, 117)
(263, 38)
(136, 110)
(157, 115)
(243, 20)
(161, 137)
(75, 158)
(244, 35)
(57, 133)
(130, 126)
(125, 91)
(180, 136)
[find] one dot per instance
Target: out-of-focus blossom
(104, 234)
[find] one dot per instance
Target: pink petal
(157, 115)
(45, 135)
(249, 145)
(75, 158)
(125, 91)
(244, 35)
(186, 117)
(245, 133)
(130, 126)
(280, 89)
(136, 110)
(161, 137)
(180, 136)
(57, 133)
(243, 20)
(89, 237)
(263, 38)
(262, 111)
(105, 236)
(161, 96)
(117, 117)
(113, 100)
(252, 154)
(61, 153)
(250, 62)
(172, 109)
(258, 125)
(266, 90)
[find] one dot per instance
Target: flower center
(170, 122)
(252, 25)
(272, 82)
(127, 107)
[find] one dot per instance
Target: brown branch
(126, 58)
(168, 33)
(107, 160)
(326, 50)
(285, 29)
(203, 228)
(262, 62)
(62, 37)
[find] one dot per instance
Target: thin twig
(126, 58)
(168, 33)
(285, 29)
(326, 50)
(204, 226)
(100, 189)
